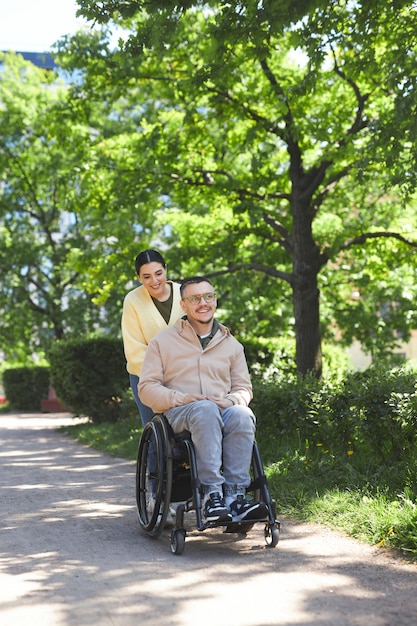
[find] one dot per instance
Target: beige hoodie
(175, 365)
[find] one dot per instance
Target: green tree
(54, 197)
(271, 133)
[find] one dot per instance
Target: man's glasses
(207, 297)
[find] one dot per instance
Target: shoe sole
(257, 513)
(219, 518)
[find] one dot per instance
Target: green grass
(355, 496)
(376, 516)
(119, 439)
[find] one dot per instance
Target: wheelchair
(166, 475)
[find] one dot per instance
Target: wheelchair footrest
(241, 528)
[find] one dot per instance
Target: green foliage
(89, 376)
(25, 387)
(274, 357)
(262, 142)
(269, 136)
(64, 222)
(364, 413)
(343, 452)
(378, 306)
(128, 409)
(383, 412)
(282, 408)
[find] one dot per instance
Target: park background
(270, 145)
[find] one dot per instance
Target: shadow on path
(72, 554)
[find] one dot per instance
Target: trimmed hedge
(90, 377)
(366, 413)
(26, 387)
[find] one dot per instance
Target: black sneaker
(242, 510)
(215, 509)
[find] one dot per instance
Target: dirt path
(71, 553)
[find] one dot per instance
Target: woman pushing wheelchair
(195, 372)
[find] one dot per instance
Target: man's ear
(182, 305)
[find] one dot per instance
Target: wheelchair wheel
(177, 540)
(271, 535)
(153, 476)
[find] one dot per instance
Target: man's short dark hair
(193, 280)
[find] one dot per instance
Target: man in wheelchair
(195, 372)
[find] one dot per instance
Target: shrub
(269, 358)
(384, 410)
(283, 409)
(128, 407)
(89, 376)
(372, 414)
(26, 387)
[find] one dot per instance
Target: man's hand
(193, 397)
(222, 403)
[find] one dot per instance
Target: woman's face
(153, 277)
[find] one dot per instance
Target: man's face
(194, 304)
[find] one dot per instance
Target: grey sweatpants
(223, 441)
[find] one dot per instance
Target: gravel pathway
(72, 553)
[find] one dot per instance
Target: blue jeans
(223, 441)
(145, 412)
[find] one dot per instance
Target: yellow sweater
(141, 321)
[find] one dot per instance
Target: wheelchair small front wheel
(177, 541)
(271, 533)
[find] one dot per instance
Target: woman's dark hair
(148, 256)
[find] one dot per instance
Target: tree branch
(207, 180)
(358, 123)
(279, 228)
(361, 239)
(286, 276)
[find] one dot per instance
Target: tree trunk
(307, 328)
(307, 263)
